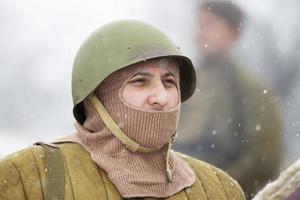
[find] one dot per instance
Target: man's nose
(158, 98)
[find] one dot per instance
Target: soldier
(128, 83)
(232, 120)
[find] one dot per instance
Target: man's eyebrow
(168, 74)
(143, 74)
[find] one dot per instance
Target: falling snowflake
(257, 127)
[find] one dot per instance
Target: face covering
(158, 173)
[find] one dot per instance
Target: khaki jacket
(23, 176)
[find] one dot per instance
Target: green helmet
(117, 45)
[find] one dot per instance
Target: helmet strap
(169, 173)
(129, 143)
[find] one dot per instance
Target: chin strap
(168, 170)
(129, 143)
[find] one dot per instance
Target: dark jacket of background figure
(232, 122)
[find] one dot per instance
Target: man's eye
(170, 82)
(138, 81)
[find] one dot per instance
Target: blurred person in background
(128, 82)
(232, 120)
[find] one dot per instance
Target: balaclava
(135, 174)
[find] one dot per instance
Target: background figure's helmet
(117, 45)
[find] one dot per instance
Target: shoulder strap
(55, 182)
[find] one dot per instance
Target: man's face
(152, 88)
(215, 34)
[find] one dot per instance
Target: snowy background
(39, 40)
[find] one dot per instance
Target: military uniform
(232, 122)
(23, 176)
(121, 147)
